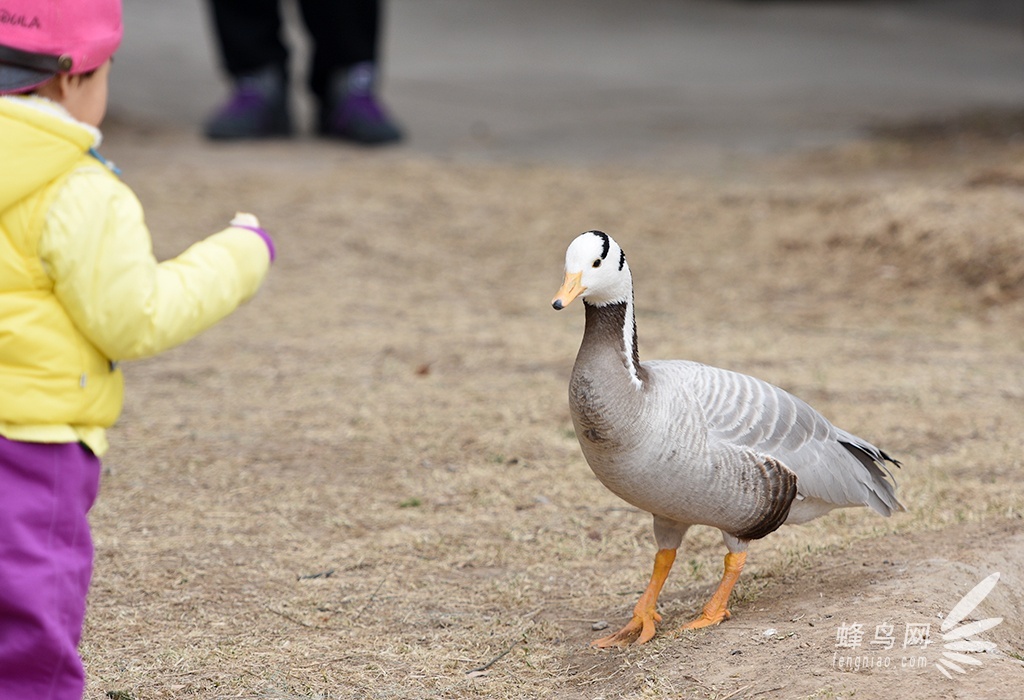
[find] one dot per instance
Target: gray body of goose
(698, 445)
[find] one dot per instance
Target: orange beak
(570, 289)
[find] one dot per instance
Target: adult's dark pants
(343, 33)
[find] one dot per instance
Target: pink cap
(40, 38)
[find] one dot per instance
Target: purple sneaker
(352, 112)
(257, 109)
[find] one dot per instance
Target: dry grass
(365, 484)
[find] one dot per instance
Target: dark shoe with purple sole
(258, 109)
(352, 112)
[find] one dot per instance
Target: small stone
(599, 625)
(770, 632)
(734, 652)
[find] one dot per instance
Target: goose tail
(881, 483)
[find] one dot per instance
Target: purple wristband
(262, 234)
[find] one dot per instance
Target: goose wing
(831, 464)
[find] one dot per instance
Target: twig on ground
(697, 681)
(373, 595)
(532, 613)
(736, 692)
(288, 617)
(496, 659)
(592, 681)
(320, 574)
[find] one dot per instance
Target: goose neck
(613, 327)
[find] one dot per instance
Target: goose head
(596, 271)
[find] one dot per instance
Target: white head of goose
(697, 445)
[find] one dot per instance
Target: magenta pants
(46, 554)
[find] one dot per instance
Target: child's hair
(76, 78)
(82, 77)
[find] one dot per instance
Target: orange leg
(645, 614)
(715, 611)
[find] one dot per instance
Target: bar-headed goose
(694, 444)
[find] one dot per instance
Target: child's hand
(250, 222)
(244, 219)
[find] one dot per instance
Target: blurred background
(674, 83)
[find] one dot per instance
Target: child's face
(84, 98)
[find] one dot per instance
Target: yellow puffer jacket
(79, 286)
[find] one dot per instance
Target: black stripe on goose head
(606, 243)
(622, 259)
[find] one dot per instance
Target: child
(80, 290)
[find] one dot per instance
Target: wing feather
(741, 411)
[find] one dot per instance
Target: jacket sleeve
(96, 248)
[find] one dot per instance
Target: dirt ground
(365, 484)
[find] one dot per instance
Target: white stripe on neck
(628, 332)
